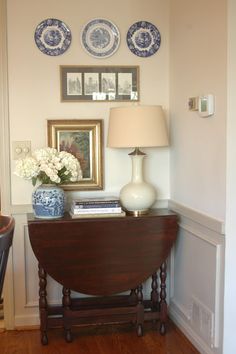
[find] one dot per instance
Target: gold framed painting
(83, 138)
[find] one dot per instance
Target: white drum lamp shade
(135, 127)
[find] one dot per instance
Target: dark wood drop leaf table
(103, 257)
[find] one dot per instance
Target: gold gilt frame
(84, 139)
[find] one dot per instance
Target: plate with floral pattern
(52, 37)
(143, 39)
(100, 38)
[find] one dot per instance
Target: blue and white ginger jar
(48, 201)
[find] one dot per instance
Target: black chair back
(7, 225)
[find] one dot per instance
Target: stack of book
(96, 207)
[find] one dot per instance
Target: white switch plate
(21, 149)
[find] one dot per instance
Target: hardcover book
(89, 203)
(103, 210)
(97, 215)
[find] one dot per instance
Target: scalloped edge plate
(143, 39)
(52, 37)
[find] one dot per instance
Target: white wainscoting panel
(196, 284)
(24, 272)
(26, 278)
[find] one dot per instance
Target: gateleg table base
(104, 309)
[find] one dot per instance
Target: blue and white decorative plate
(143, 39)
(52, 36)
(100, 38)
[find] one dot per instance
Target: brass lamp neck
(137, 152)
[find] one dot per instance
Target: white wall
(230, 259)
(198, 66)
(34, 82)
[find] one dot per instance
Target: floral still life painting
(78, 144)
(83, 138)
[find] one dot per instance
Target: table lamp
(135, 127)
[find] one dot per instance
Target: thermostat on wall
(206, 105)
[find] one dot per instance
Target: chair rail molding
(211, 223)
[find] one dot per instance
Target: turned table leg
(140, 311)
(163, 305)
(154, 293)
(133, 296)
(43, 306)
(66, 300)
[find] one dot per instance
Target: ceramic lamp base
(137, 197)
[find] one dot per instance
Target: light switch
(20, 149)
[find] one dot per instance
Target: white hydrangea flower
(27, 168)
(49, 166)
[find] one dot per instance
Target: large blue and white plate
(143, 39)
(52, 37)
(100, 38)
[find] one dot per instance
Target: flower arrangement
(49, 166)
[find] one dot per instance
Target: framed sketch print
(83, 139)
(99, 83)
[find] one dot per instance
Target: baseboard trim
(27, 328)
(176, 315)
(27, 321)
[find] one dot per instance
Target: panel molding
(211, 231)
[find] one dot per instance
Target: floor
(115, 339)
(1, 316)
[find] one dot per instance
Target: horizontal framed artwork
(99, 83)
(83, 138)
